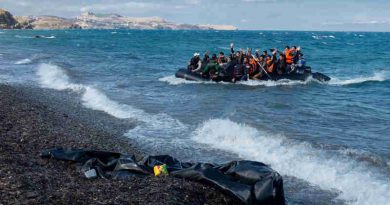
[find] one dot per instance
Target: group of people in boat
(243, 65)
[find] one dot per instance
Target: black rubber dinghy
(301, 76)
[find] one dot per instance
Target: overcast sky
(344, 15)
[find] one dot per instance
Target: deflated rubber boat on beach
(301, 76)
(248, 181)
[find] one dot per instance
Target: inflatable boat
(302, 75)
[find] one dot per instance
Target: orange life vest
(253, 64)
(289, 57)
(270, 66)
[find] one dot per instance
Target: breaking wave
(23, 61)
(54, 77)
(377, 77)
(357, 184)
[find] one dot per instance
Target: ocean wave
(318, 37)
(357, 184)
(376, 77)
(359, 35)
(54, 77)
(23, 61)
(18, 36)
(40, 36)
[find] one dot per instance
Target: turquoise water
(331, 141)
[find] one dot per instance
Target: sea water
(330, 141)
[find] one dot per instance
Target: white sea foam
(318, 37)
(378, 76)
(152, 126)
(360, 35)
(48, 36)
(54, 77)
(18, 36)
(172, 80)
(23, 61)
(358, 185)
(96, 100)
(271, 83)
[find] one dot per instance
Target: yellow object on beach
(160, 170)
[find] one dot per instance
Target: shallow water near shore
(331, 141)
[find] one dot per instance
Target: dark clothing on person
(212, 68)
(229, 69)
(296, 57)
(193, 63)
(238, 71)
(281, 66)
(222, 59)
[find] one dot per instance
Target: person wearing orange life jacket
(260, 63)
(254, 68)
(270, 64)
(289, 55)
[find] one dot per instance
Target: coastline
(34, 119)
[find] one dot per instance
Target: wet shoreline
(33, 119)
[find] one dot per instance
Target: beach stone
(31, 194)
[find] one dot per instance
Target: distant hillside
(91, 20)
(46, 22)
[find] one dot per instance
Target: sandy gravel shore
(33, 119)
